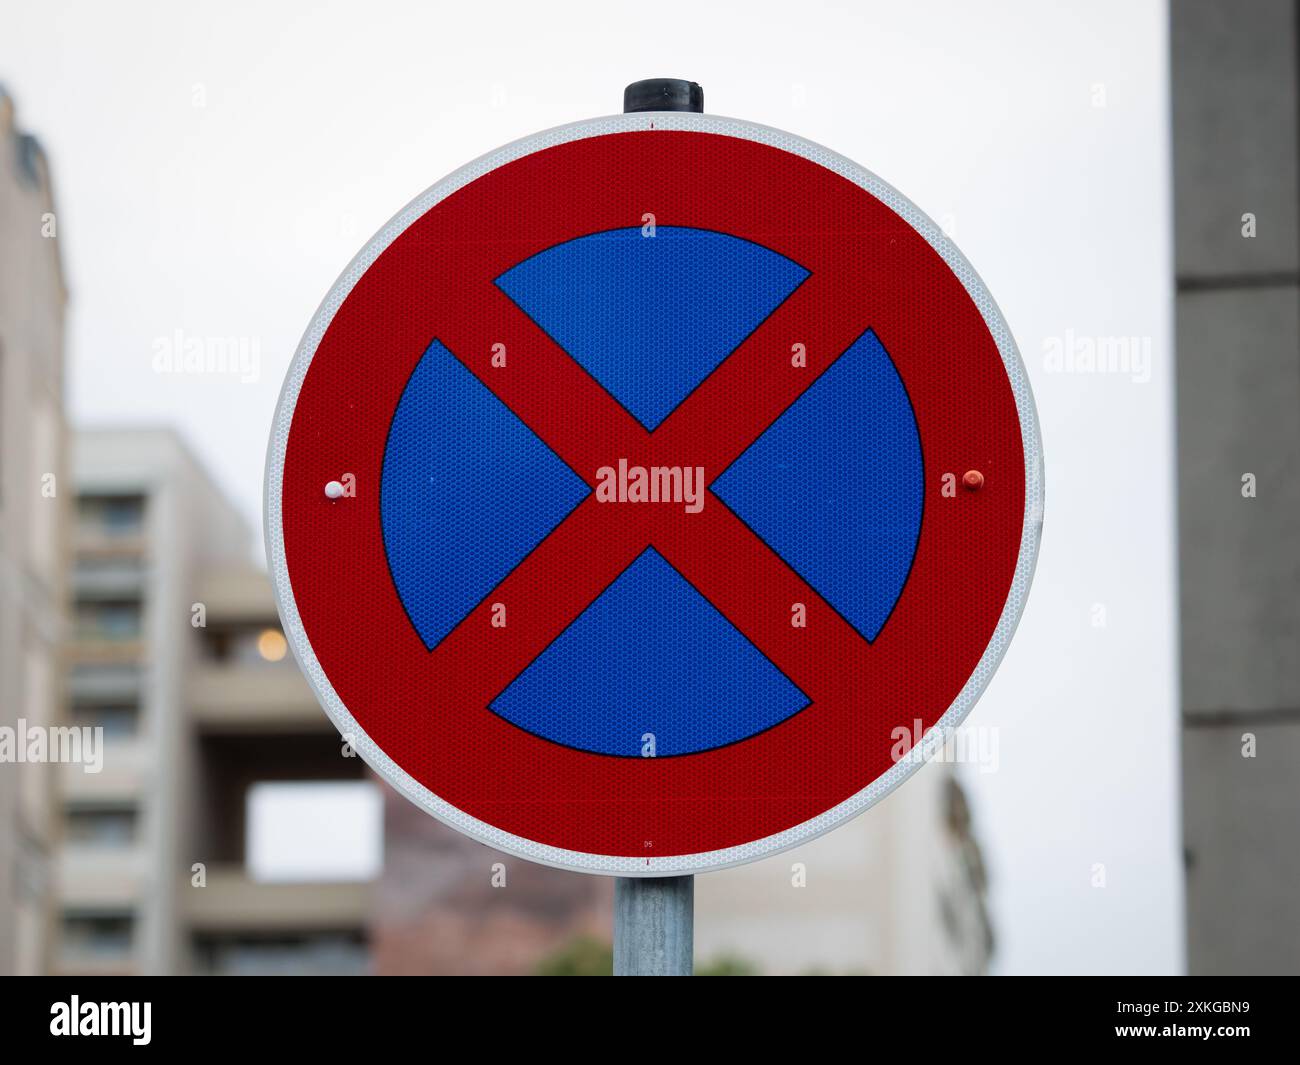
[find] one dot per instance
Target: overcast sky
(217, 166)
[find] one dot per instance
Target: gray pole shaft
(654, 926)
(654, 917)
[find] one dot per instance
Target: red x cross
(713, 549)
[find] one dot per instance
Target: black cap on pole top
(663, 94)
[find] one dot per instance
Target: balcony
(95, 877)
(110, 526)
(126, 775)
(106, 681)
(108, 629)
(238, 595)
(109, 577)
(232, 902)
(92, 650)
(90, 542)
(89, 963)
(252, 697)
(97, 941)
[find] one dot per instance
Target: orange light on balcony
(271, 645)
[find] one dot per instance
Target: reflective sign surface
(684, 464)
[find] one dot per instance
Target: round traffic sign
(639, 484)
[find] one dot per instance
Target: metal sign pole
(654, 926)
(654, 917)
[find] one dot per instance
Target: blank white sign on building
(314, 831)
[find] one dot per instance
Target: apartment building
(33, 504)
(178, 656)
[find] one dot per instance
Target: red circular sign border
(654, 811)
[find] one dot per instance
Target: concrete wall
(1235, 122)
(32, 532)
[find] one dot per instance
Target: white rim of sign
(680, 864)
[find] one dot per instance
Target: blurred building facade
(900, 890)
(176, 654)
(253, 721)
(1237, 261)
(33, 497)
(448, 905)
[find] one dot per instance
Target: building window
(116, 621)
(114, 683)
(112, 516)
(94, 571)
(101, 826)
(331, 953)
(120, 721)
(97, 936)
